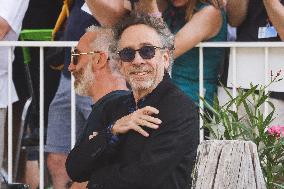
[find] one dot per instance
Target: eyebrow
(142, 44)
(145, 44)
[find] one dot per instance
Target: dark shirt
(104, 112)
(76, 26)
(164, 160)
(256, 17)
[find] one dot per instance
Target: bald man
(96, 76)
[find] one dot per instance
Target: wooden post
(227, 164)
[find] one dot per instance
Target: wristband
(112, 138)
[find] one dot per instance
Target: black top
(164, 160)
(98, 120)
(256, 17)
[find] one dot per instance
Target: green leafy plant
(242, 118)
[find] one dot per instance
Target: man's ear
(100, 61)
(166, 59)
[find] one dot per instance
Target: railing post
(234, 54)
(41, 120)
(266, 77)
(201, 93)
(73, 113)
(10, 117)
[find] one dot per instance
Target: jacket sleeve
(87, 156)
(164, 150)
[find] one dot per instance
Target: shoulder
(209, 9)
(116, 99)
(116, 105)
(178, 103)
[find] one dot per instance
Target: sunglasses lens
(75, 60)
(74, 57)
(127, 54)
(147, 52)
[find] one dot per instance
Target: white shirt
(13, 12)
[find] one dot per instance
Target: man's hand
(136, 120)
(4, 28)
(76, 185)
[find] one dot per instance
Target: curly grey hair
(167, 38)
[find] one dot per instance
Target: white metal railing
(41, 45)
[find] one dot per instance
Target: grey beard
(86, 82)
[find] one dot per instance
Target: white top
(13, 12)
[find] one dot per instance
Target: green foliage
(242, 118)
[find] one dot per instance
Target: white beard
(85, 83)
(141, 85)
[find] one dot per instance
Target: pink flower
(276, 130)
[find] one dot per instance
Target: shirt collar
(107, 96)
(157, 93)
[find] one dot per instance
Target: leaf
(216, 104)
(271, 105)
(246, 95)
(278, 186)
(234, 115)
(212, 131)
(261, 101)
(226, 90)
(249, 112)
(247, 131)
(209, 107)
(268, 119)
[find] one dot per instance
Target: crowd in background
(191, 22)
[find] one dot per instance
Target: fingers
(145, 123)
(148, 110)
(140, 130)
(136, 121)
(151, 119)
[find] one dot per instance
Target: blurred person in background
(11, 15)
(96, 75)
(252, 16)
(41, 14)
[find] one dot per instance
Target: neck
(107, 85)
(139, 94)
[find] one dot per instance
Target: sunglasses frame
(74, 55)
(139, 51)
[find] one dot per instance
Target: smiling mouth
(140, 73)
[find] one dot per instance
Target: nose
(138, 59)
(71, 67)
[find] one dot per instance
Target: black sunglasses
(146, 52)
(76, 53)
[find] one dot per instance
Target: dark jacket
(80, 162)
(164, 160)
